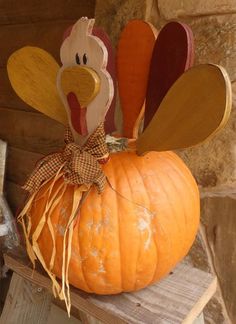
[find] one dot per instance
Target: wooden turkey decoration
(113, 222)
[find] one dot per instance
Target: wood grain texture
(169, 301)
(111, 68)
(133, 61)
(58, 316)
(25, 11)
(45, 35)
(195, 108)
(8, 98)
(25, 303)
(172, 55)
(16, 196)
(20, 164)
(33, 74)
(30, 131)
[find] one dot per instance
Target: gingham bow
(79, 164)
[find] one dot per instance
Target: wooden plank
(184, 292)
(20, 164)
(80, 300)
(59, 316)
(25, 11)
(15, 196)
(30, 131)
(46, 35)
(25, 303)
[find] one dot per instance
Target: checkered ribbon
(79, 164)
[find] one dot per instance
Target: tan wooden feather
(194, 109)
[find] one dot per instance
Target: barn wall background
(31, 135)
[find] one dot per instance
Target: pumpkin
(130, 235)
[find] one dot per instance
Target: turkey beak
(81, 82)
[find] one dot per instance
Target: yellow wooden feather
(33, 74)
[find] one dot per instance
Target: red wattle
(78, 115)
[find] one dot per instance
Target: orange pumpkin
(133, 233)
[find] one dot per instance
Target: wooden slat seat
(179, 298)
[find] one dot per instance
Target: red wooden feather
(173, 54)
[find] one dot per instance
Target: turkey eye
(77, 58)
(85, 59)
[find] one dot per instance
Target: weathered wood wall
(29, 133)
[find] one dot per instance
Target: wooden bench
(179, 298)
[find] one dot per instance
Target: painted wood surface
(80, 80)
(134, 54)
(7, 97)
(84, 49)
(179, 298)
(33, 75)
(172, 55)
(195, 108)
(111, 68)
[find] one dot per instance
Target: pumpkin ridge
(188, 182)
(183, 207)
(157, 174)
(133, 161)
(159, 179)
(185, 221)
(153, 236)
(76, 242)
(128, 199)
(131, 196)
(134, 202)
(103, 259)
(86, 279)
(92, 230)
(118, 230)
(80, 256)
